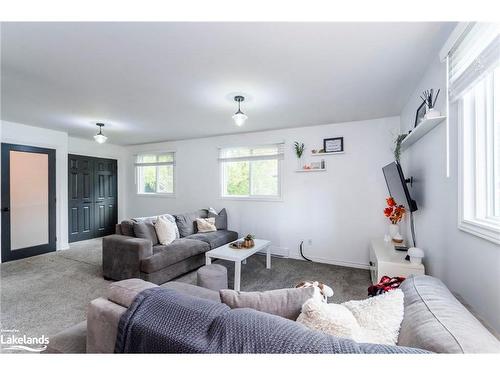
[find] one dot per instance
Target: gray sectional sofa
(134, 251)
(434, 320)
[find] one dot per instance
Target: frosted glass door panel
(29, 199)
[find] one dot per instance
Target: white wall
(468, 264)
(340, 210)
(40, 137)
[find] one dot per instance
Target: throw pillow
(170, 218)
(146, 230)
(186, 222)
(220, 218)
(165, 230)
(282, 302)
(206, 225)
(374, 320)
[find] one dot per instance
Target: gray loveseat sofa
(434, 320)
(134, 251)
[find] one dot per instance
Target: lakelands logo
(11, 340)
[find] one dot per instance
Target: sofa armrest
(122, 255)
(124, 292)
(103, 317)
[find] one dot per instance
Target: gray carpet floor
(48, 293)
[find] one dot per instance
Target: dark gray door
(28, 201)
(92, 197)
(105, 191)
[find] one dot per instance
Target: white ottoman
(212, 276)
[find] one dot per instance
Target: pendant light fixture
(239, 117)
(99, 137)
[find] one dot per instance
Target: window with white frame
(251, 172)
(155, 173)
(474, 87)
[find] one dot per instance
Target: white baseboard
(337, 262)
(277, 251)
(63, 246)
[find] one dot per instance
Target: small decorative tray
(238, 245)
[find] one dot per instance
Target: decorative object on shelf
(321, 151)
(316, 165)
(415, 255)
(99, 137)
(314, 151)
(420, 114)
(239, 117)
(398, 238)
(395, 213)
(299, 151)
(331, 145)
(323, 165)
(397, 146)
(430, 103)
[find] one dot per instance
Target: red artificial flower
(391, 202)
(388, 211)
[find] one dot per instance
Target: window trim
(487, 228)
(174, 174)
(253, 198)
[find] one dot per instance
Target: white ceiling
(165, 81)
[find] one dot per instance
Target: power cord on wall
(302, 253)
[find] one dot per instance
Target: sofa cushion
(286, 303)
(127, 228)
(435, 320)
(192, 290)
(152, 219)
(146, 230)
(166, 255)
(165, 230)
(220, 218)
(215, 239)
(187, 222)
(205, 225)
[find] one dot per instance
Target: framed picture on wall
(333, 144)
(419, 116)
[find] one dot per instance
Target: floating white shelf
(327, 153)
(422, 129)
(311, 170)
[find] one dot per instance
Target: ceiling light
(239, 117)
(99, 137)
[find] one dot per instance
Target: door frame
(7, 253)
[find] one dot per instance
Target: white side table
(238, 256)
(385, 260)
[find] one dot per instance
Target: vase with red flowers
(395, 212)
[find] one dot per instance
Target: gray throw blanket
(165, 321)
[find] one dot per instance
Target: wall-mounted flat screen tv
(396, 184)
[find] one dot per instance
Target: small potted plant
(395, 213)
(248, 241)
(299, 150)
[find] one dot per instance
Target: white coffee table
(238, 256)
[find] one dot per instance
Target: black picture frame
(419, 116)
(333, 140)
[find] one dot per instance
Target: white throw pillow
(165, 230)
(375, 320)
(206, 225)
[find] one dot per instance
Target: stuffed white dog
(321, 291)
